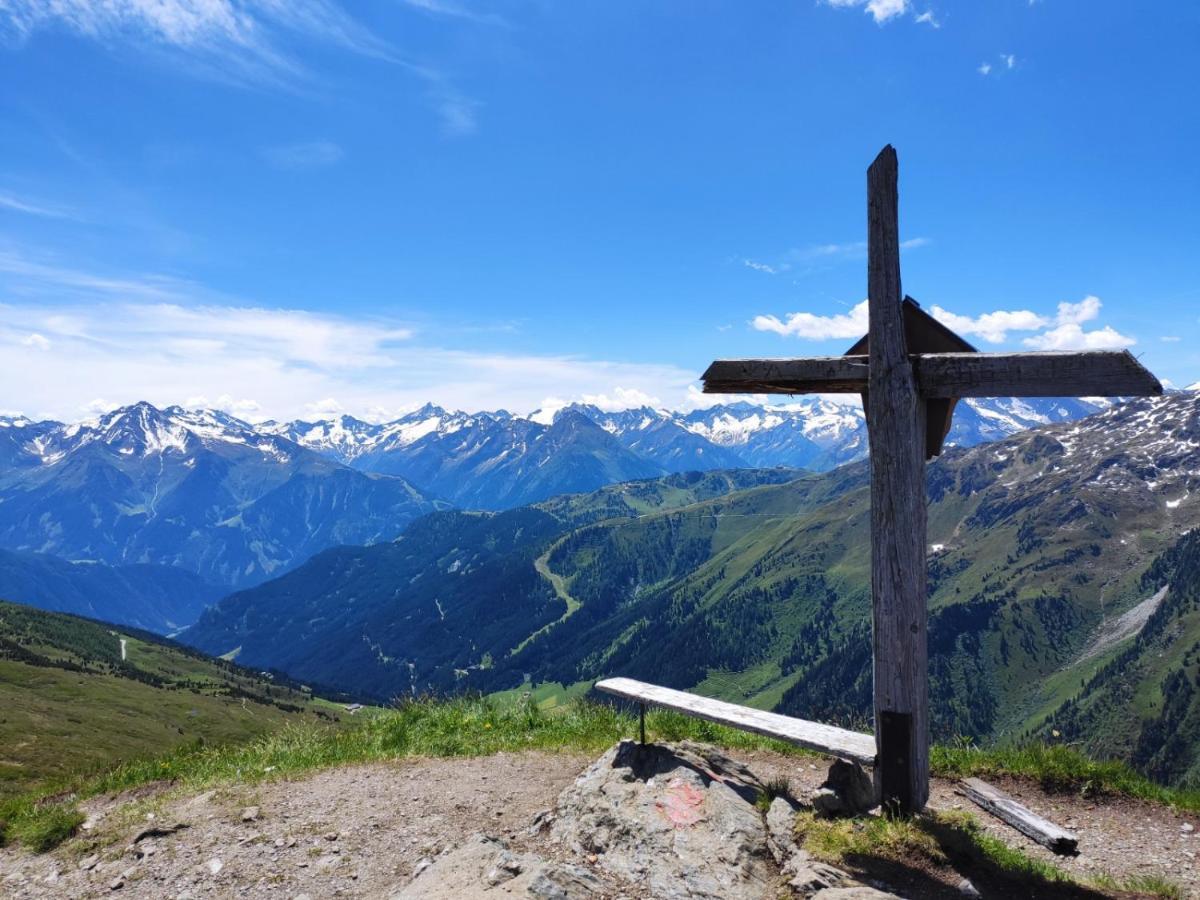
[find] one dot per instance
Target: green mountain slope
(162, 599)
(1144, 703)
(458, 591)
(1039, 543)
(72, 700)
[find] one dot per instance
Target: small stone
(250, 814)
(1187, 827)
(89, 862)
(215, 866)
(421, 866)
(331, 836)
(116, 884)
(967, 889)
(290, 842)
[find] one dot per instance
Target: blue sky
(289, 209)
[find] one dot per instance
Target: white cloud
(303, 155)
(1073, 337)
(1068, 332)
(984, 69)
(927, 18)
(36, 341)
(291, 362)
(993, 326)
(1062, 331)
(622, 398)
(1009, 60)
(817, 328)
(880, 10)
(1171, 338)
(1085, 310)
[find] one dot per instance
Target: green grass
(1058, 769)
(436, 728)
(951, 844)
(477, 726)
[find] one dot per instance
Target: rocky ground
(679, 823)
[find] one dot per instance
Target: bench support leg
(642, 721)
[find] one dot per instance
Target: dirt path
(361, 831)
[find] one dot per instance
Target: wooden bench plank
(1025, 820)
(841, 742)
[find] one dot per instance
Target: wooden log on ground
(839, 742)
(1025, 820)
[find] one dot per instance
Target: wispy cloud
(1008, 62)
(766, 268)
(168, 341)
(815, 254)
(245, 42)
(34, 208)
(927, 18)
(230, 39)
(304, 155)
(455, 11)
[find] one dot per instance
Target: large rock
(847, 791)
(485, 867)
(680, 820)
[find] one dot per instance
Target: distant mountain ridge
(456, 454)
(200, 490)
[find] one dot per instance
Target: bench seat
(829, 739)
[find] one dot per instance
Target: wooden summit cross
(911, 370)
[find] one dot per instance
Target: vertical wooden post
(896, 426)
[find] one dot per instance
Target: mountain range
(198, 490)
(1062, 591)
(495, 460)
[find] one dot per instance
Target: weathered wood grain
(896, 430)
(1025, 820)
(851, 745)
(1093, 373)
(814, 375)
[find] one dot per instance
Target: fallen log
(1025, 820)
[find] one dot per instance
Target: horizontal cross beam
(1093, 373)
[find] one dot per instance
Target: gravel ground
(361, 831)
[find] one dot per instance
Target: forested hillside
(1038, 543)
(162, 599)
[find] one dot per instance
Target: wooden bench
(839, 742)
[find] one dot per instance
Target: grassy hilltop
(71, 702)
